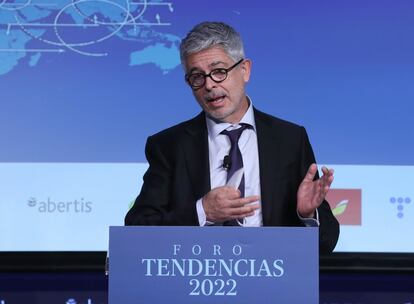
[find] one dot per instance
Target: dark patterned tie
(236, 163)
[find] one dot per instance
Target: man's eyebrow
(194, 70)
(213, 64)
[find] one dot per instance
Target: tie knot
(235, 134)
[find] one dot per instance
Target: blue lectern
(213, 265)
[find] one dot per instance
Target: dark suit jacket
(179, 175)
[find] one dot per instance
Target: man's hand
(224, 203)
(312, 193)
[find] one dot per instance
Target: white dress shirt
(219, 146)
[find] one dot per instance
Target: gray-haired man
(188, 182)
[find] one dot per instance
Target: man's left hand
(311, 193)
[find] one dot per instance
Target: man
(191, 178)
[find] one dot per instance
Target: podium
(213, 265)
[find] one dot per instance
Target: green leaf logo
(340, 207)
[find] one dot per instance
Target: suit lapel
(198, 167)
(196, 155)
(269, 158)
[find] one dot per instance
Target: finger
(244, 211)
(322, 194)
(311, 173)
(326, 180)
(227, 192)
(325, 170)
(240, 202)
(330, 180)
(233, 193)
(327, 176)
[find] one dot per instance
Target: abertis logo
(53, 206)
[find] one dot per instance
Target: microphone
(226, 162)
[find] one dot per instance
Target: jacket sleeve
(328, 225)
(155, 205)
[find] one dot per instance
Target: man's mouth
(216, 100)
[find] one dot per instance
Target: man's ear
(246, 66)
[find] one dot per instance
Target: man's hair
(206, 35)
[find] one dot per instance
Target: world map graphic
(33, 29)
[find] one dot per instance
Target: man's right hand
(224, 204)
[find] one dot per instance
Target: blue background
(74, 126)
(343, 69)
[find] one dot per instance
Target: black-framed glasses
(197, 80)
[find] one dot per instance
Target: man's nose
(210, 84)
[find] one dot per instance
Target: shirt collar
(214, 128)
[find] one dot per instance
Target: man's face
(225, 101)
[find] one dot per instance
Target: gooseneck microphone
(227, 162)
